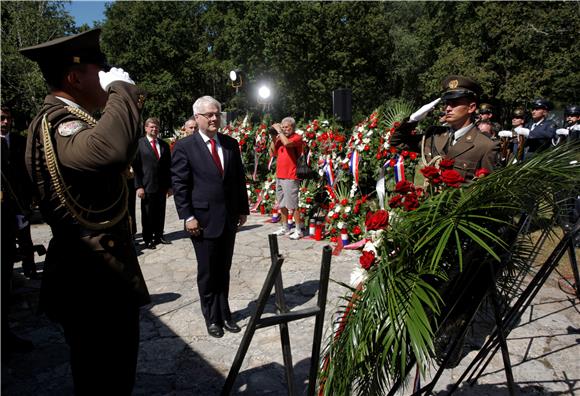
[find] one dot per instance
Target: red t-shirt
(287, 156)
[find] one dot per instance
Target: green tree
(25, 24)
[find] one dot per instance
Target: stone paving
(177, 357)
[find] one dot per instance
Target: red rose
(366, 148)
(410, 203)
(331, 205)
(333, 230)
(308, 200)
(413, 156)
(377, 220)
(482, 172)
(356, 209)
(335, 216)
(452, 178)
(378, 156)
(356, 230)
(404, 187)
(404, 153)
(266, 196)
(393, 149)
(367, 259)
(344, 216)
(344, 202)
(392, 162)
(396, 201)
(431, 173)
(333, 239)
(447, 163)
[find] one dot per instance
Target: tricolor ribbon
(354, 159)
(271, 162)
(329, 172)
(399, 169)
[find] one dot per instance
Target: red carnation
(308, 200)
(482, 172)
(333, 239)
(331, 205)
(356, 230)
(404, 153)
(413, 156)
(335, 216)
(447, 163)
(366, 148)
(367, 259)
(404, 187)
(377, 220)
(266, 196)
(344, 201)
(393, 149)
(452, 178)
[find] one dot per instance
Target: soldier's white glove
(522, 131)
(424, 110)
(115, 74)
(505, 134)
(575, 127)
(562, 132)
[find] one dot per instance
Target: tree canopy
(179, 51)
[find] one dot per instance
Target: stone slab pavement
(177, 357)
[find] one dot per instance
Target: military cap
(80, 48)
(485, 108)
(572, 109)
(455, 87)
(541, 104)
(519, 113)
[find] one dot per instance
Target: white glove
(522, 131)
(575, 127)
(562, 132)
(505, 134)
(115, 74)
(424, 110)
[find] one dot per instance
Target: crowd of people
(87, 175)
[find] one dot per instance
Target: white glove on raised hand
(424, 110)
(522, 131)
(562, 132)
(115, 74)
(505, 134)
(575, 127)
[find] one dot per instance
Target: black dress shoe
(163, 241)
(215, 330)
(231, 326)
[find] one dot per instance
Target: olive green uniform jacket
(92, 263)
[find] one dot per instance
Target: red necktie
(154, 148)
(216, 157)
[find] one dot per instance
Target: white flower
(370, 133)
(357, 276)
(330, 213)
(386, 145)
(366, 140)
(361, 129)
(337, 208)
(370, 247)
(347, 209)
(325, 123)
(340, 225)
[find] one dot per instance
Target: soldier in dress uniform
(461, 140)
(542, 130)
(486, 113)
(572, 116)
(92, 284)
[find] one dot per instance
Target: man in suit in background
(16, 145)
(210, 195)
(152, 168)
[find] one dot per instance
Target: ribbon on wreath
(399, 169)
(256, 160)
(354, 160)
(329, 171)
(271, 162)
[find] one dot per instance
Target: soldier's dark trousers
(103, 343)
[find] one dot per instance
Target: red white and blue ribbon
(399, 169)
(271, 162)
(329, 171)
(354, 158)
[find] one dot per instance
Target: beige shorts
(287, 193)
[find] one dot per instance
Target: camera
(272, 131)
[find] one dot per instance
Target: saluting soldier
(460, 139)
(92, 284)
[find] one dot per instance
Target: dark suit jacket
(150, 173)
(199, 189)
(473, 151)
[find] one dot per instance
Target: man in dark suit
(152, 168)
(16, 145)
(460, 140)
(210, 195)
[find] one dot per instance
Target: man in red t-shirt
(286, 145)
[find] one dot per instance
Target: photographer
(286, 145)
